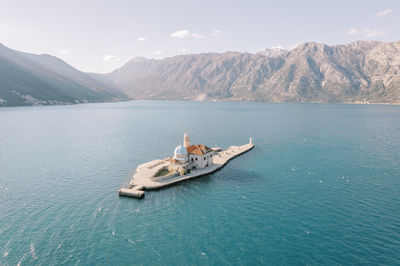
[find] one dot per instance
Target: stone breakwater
(144, 178)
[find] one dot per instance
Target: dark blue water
(322, 185)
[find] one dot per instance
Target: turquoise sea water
(322, 185)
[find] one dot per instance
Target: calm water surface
(322, 185)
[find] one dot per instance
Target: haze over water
(320, 187)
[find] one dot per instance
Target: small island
(188, 162)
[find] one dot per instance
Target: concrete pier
(131, 192)
(143, 179)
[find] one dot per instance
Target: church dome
(180, 154)
(180, 150)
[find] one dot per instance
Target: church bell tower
(186, 140)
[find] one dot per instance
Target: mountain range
(29, 79)
(359, 72)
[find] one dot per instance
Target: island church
(190, 157)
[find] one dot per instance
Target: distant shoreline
(185, 100)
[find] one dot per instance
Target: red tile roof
(198, 149)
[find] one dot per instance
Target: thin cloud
(197, 36)
(183, 50)
(110, 58)
(367, 33)
(384, 13)
(373, 33)
(216, 33)
(352, 31)
(141, 39)
(181, 34)
(158, 52)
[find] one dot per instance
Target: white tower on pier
(186, 140)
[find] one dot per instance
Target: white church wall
(202, 160)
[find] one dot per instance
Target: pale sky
(100, 35)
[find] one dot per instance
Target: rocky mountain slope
(29, 79)
(363, 71)
(359, 72)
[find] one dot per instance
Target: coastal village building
(190, 157)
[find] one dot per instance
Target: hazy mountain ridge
(363, 71)
(359, 72)
(29, 79)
